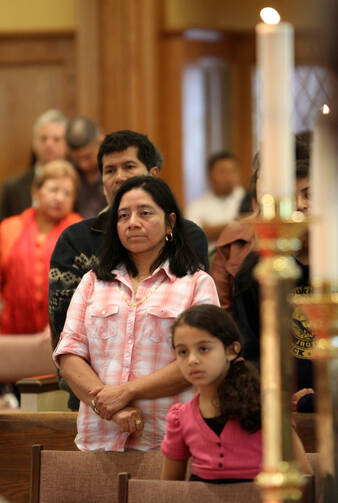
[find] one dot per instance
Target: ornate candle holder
(321, 308)
(278, 230)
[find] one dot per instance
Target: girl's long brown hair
(239, 392)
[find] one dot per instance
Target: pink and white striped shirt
(123, 342)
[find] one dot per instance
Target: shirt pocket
(161, 320)
(103, 321)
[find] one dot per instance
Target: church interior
(187, 74)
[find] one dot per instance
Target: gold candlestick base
(283, 484)
(278, 229)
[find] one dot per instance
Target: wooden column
(241, 75)
(129, 61)
(88, 75)
(171, 111)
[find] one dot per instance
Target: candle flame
(270, 15)
(325, 109)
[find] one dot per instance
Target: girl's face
(141, 223)
(202, 358)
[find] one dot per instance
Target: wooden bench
(18, 432)
(76, 477)
(57, 430)
(42, 394)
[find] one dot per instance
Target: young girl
(220, 427)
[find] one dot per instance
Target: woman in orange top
(27, 242)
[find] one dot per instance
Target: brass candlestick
(321, 308)
(278, 230)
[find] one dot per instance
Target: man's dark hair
(81, 131)
(224, 155)
(182, 257)
(302, 168)
(119, 141)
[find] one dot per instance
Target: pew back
(167, 491)
(75, 476)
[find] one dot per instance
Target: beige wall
(36, 15)
(240, 15)
(41, 15)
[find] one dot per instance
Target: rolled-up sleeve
(73, 338)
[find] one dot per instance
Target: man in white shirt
(220, 204)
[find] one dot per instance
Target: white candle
(324, 202)
(275, 61)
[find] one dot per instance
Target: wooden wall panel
(36, 73)
(88, 95)
(129, 64)
(170, 111)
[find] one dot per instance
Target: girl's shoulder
(181, 412)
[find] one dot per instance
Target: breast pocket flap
(104, 311)
(164, 312)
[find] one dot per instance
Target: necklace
(146, 297)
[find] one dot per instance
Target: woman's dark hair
(182, 257)
(239, 393)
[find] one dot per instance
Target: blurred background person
(83, 138)
(238, 290)
(48, 144)
(26, 243)
(221, 202)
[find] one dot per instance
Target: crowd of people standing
(133, 313)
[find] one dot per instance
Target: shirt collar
(121, 271)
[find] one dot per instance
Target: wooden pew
(42, 394)
(18, 432)
(57, 430)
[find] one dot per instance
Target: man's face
(85, 158)
(303, 194)
(224, 176)
(49, 142)
(117, 167)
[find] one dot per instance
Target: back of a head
(51, 115)
(81, 131)
(119, 141)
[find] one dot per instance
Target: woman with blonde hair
(26, 244)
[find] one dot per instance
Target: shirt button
(220, 465)
(219, 444)
(221, 455)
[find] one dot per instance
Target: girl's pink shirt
(235, 454)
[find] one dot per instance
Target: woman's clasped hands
(111, 403)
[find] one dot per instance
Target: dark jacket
(245, 310)
(16, 194)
